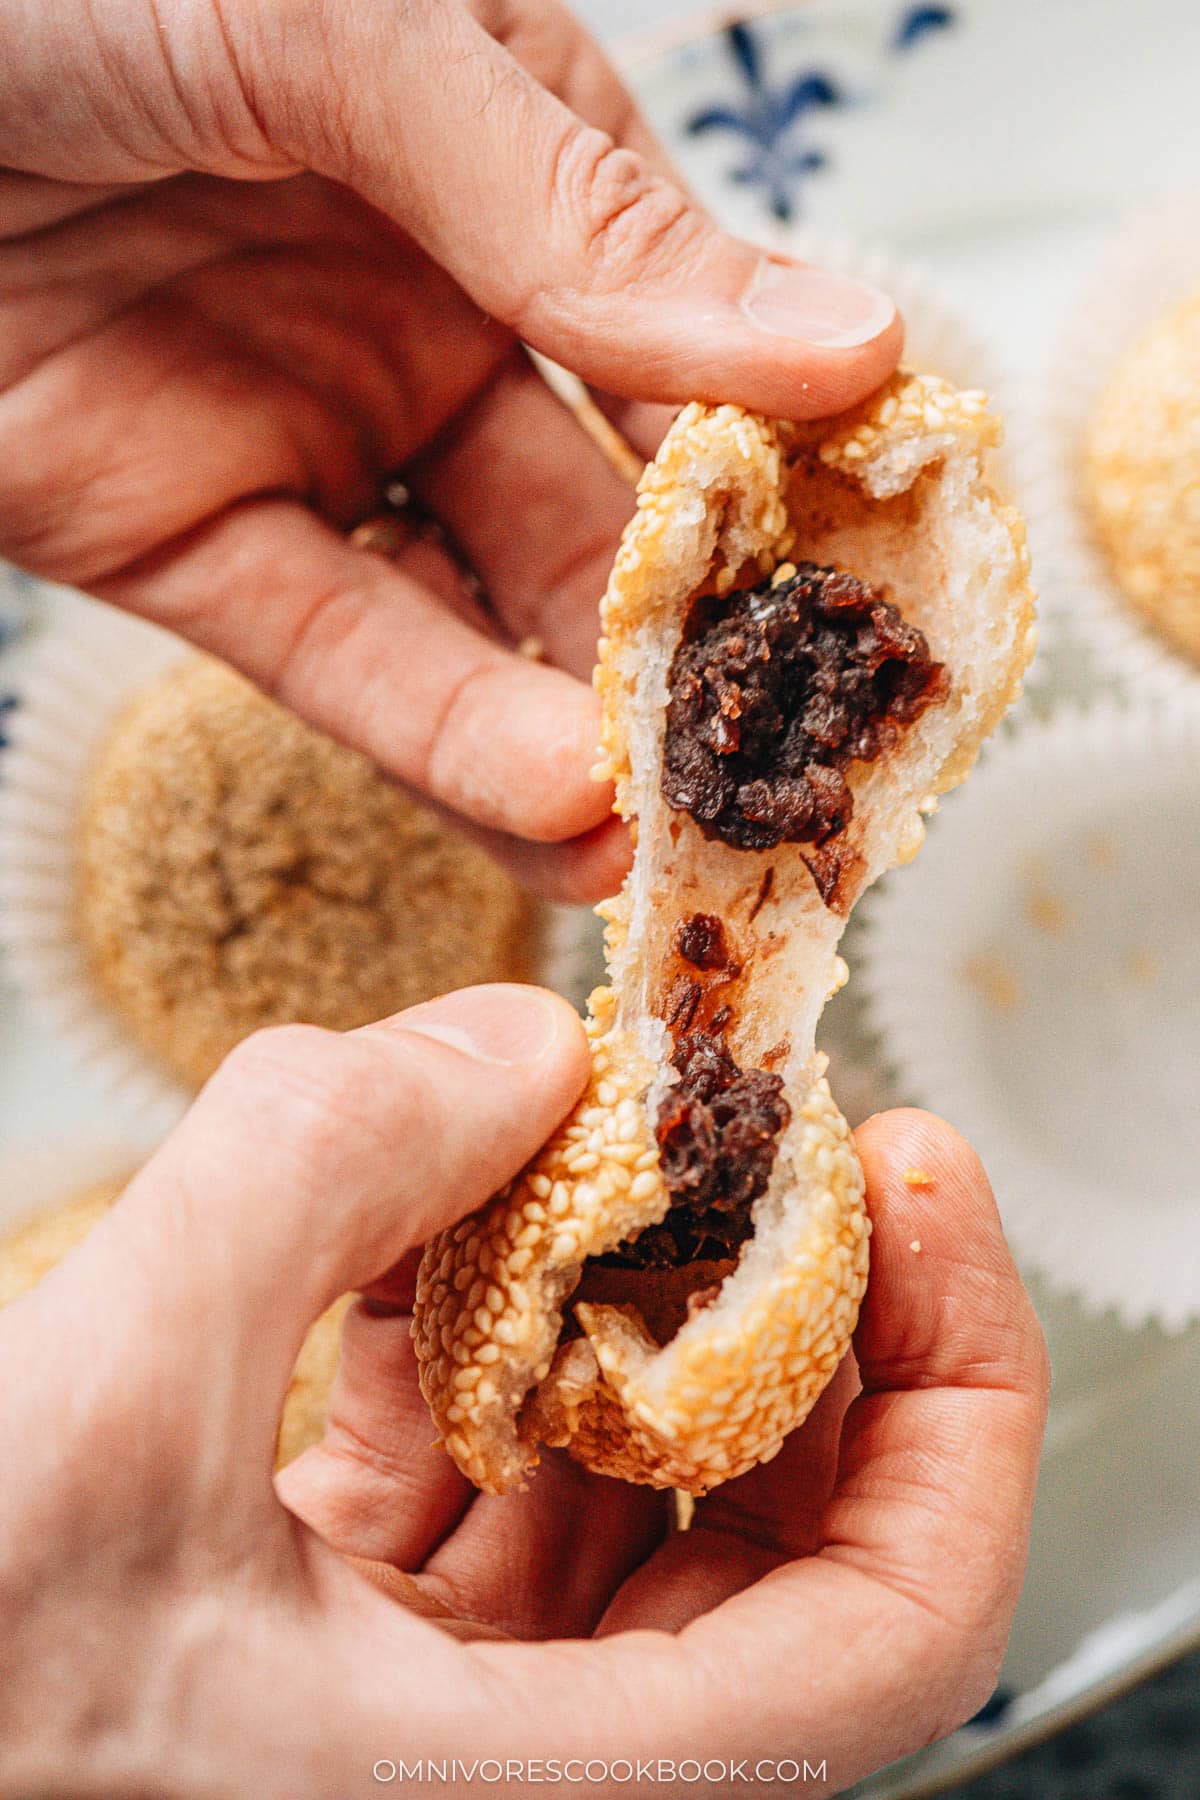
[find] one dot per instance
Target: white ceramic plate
(996, 144)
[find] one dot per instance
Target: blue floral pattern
(770, 114)
(917, 23)
(12, 615)
(15, 615)
(767, 119)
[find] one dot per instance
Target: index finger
(568, 236)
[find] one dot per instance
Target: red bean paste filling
(717, 1129)
(774, 691)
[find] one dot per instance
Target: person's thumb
(308, 1165)
(569, 238)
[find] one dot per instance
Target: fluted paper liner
(73, 686)
(1035, 978)
(1151, 266)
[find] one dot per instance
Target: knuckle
(331, 1096)
(308, 89)
(296, 1085)
(627, 223)
(193, 82)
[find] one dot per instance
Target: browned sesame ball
(1141, 475)
(239, 869)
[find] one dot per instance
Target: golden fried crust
(660, 1394)
(732, 1394)
(1141, 475)
(238, 869)
(881, 446)
(751, 510)
(490, 1294)
(491, 1289)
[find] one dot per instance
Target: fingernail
(815, 305)
(499, 1025)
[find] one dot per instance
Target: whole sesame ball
(1141, 475)
(239, 869)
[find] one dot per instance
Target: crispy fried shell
(688, 1376)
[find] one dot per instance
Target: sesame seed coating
(596, 1181)
(1141, 475)
(239, 869)
(910, 413)
(641, 1384)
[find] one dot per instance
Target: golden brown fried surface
(1141, 475)
(239, 869)
(516, 1344)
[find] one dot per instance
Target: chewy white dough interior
(651, 1380)
(940, 554)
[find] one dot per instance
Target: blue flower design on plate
(12, 620)
(15, 615)
(768, 117)
(767, 120)
(918, 22)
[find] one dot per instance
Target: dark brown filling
(716, 1132)
(774, 691)
(700, 940)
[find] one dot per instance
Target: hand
(255, 257)
(175, 1623)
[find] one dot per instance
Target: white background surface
(610, 19)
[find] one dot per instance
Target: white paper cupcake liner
(73, 684)
(937, 336)
(1152, 266)
(1035, 978)
(940, 339)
